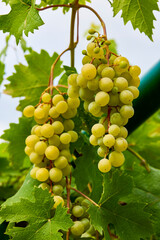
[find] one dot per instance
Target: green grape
(86, 223)
(46, 107)
(101, 67)
(121, 83)
(135, 71)
(117, 66)
(127, 111)
(58, 127)
(102, 151)
(123, 64)
(55, 174)
(94, 108)
(93, 140)
(73, 92)
(114, 90)
(96, 50)
(102, 98)
(74, 136)
(78, 211)
(52, 152)
(108, 72)
(84, 52)
(126, 97)
(123, 132)
(61, 162)
(57, 98)
(89, 71)
(67, 170)
(57, 189)
(120, 144)
(93, 84)
(116, 159)
(134, 90)
(37, 131)
(89, 37)
(86, 235)
(90, 48)
(58, 200)
(44, 186)
(104, 122)
(91, 230)
(116, 119)
(96, 62)
(109, 140)
(104, 165)
(47, 130)
(73, 102)
(125, 121)
(106, 84)
(85, 94)
(85, 105)
(78, 200)
(81, 81)
(72, 79)
(70, 113)
(31, 140)
(68, 125)
(99, 114)
(111, 59)
(40, 147)
(46, 97)
(91, 31)
(28, 111)
(35, 157)
(66, 154)
(98, 130)
(33, 129)
(85, 203)
(39, 113)
(114, 130)
(98, 55)
(100, 142)
(28, 150)
(62, 182)
(42, 174)
(114, 99)
(53, 113)
(61, 107)
(86, 59)
(41, 121)
(33, 172)
(77, 229)
(135, 82)
(65, 138)
(54, 140)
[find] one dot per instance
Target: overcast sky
(54, 36)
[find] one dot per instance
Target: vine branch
(56, 5)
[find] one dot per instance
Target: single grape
(55, 174)
(127, 111)
(108, 72)
(93, 84)
(62, 182)
(85, 94)
(57, 98)
(123, 132)
(105, 84)
(52, 152)
(39, 113)
(121, 83)
(120, 144)
(116, 159)
(116, 119)
(114, 99)
(61, 107)
(90, 48)
(135, 71)
(81, 81)
(72, 79)
(93, 140)
(54, 140)
(44, 186)
(41, 121)
(58, 127)
(135, 82)
(117, 65)
(47, 130)
(33, 129)
(68, 125)
(33, 172)
(66, 154)
(61, 162)
(85, 105)
(74, 136)
(58, 200)
(104, 165)
(65, 138)
(67, 170)
(102, 151)
(126, 97)
(46, 97)
(102, 98)
(28, 150)
(70, 113)
(134, 90)
(28, 111)
(78, 211)
(98, 130)
(109, 140)
(57, 189)
(100, 142)
(89, 71)
(86, 223)
(111, 59)
(73, 92)
(73, 102)
(42, 174)
(94, 108)
(53, 113)
(100, 68)
(40, 147)
(86, 59)
(35, 157)
(114, 130)
(78, 200)
(77, 229)
(37, 131)
(31, 140)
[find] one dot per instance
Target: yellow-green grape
(70, 113)
(125, 121)
(108, 72)
(73, 102)
(102, 98)
(65, 138)
(37, 131)
(61, 162)
(93, 84)
(116, 119)
(86, 59)
(79, 200)
(106, 84)
(41, 121)
(135, 71)
(58, 127)
(67, 170)
(120, 144)
(47, 130)
(28, 150)
(114, 99)
(46, 97)
(86, 223)
(93, 140)
(99, 114)
(98, 53)
(89, 71)
(31, 140)
(77, 229)
(134, 90)
(104, 122)
(55, 174)
(57, 98)
(127, 111)
(52, 152)
(100, 68)
(53, 112)
(104, 165)
(102, 151)
(117, 65)
(135, 82)
(90, 48)
(116, 159)
(35, 157)
(123, 132)
(72, 79)
(66, 154)
(74, 136)
(81, 81)
(64, 146)
(100, 142)
(114, 130)
(85, 105)
(46, 107)
(91, 31)
(54, 140)
(41, 164)
(42, 174)
(28, 111)
(33, 129)
(78, 211)
(68, 125)
(58, 200)
(98, 130)
(33, 172)
(73, 92)
(61, 107)
(44, 186)
(96, 61)
(85, 94)
(114, 90)
(121, 83)
(87, 235)
(126, 97)
(40, 147)
(111, 59)
(39, 113)
(62, 182)
(94, 108)
(57, 189)
(109, 140)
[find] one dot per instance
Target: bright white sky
(54, 36)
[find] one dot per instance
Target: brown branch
(56, 5)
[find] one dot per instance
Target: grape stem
(143, 161)
(89, 199)
(111, 234)
(97, 235)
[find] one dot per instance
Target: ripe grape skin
(123, 132)
(86, 223)
(55, 174)
(65, 138)
(52, 152)
(33, 172)
(61, 107)
(114, 130)
(127, 111)
(39, 113)
(106, 84)
(135, 71)
(108, 72)
(94, 108)
(28, 150)
(121, 83)
(66, 154)
(73, 92)
(108, 140)
(70, 113)
(37, 131)
(116, 158)
(93, 140)
(53, 113)
(61, 162)
(100, 68)
(81, 81)
(73, 102)
(46, 97)
(77, 229)
(126, 97)
(98, 130)
(40, 147)
(35, 157)
(54, 140)
(102, 98)
(74, 136)
(86, 59)
(68, 125)
(28, 111)
(134, 90)
(85, 94)
(120, 144)
(58, 200)
(93, 84)
(102, 151)
(42, 174)
(57, 189)
(116, 119)
(58, 127)
(89, 71)
(67, 170)
(57, 98)
(72, 79)
(78, 200)
(47, 130)
(117, 61)
(44, 186)
(31, 140)
(78, 211)
(90, 48)
(104, 165)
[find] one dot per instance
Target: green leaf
(30, 81)
(21, 18)
(129, 220)
(139, 12)
(113, 46)
(2, 67)
(41, 225)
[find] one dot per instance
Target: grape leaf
(21, 18)
(41, 225)
(139, 12)
(2, 67)
(130, 220)
(30, 81)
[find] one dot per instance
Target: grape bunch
(107, 84)
(49, 142)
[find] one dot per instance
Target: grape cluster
(49, 142)
(107, 84)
